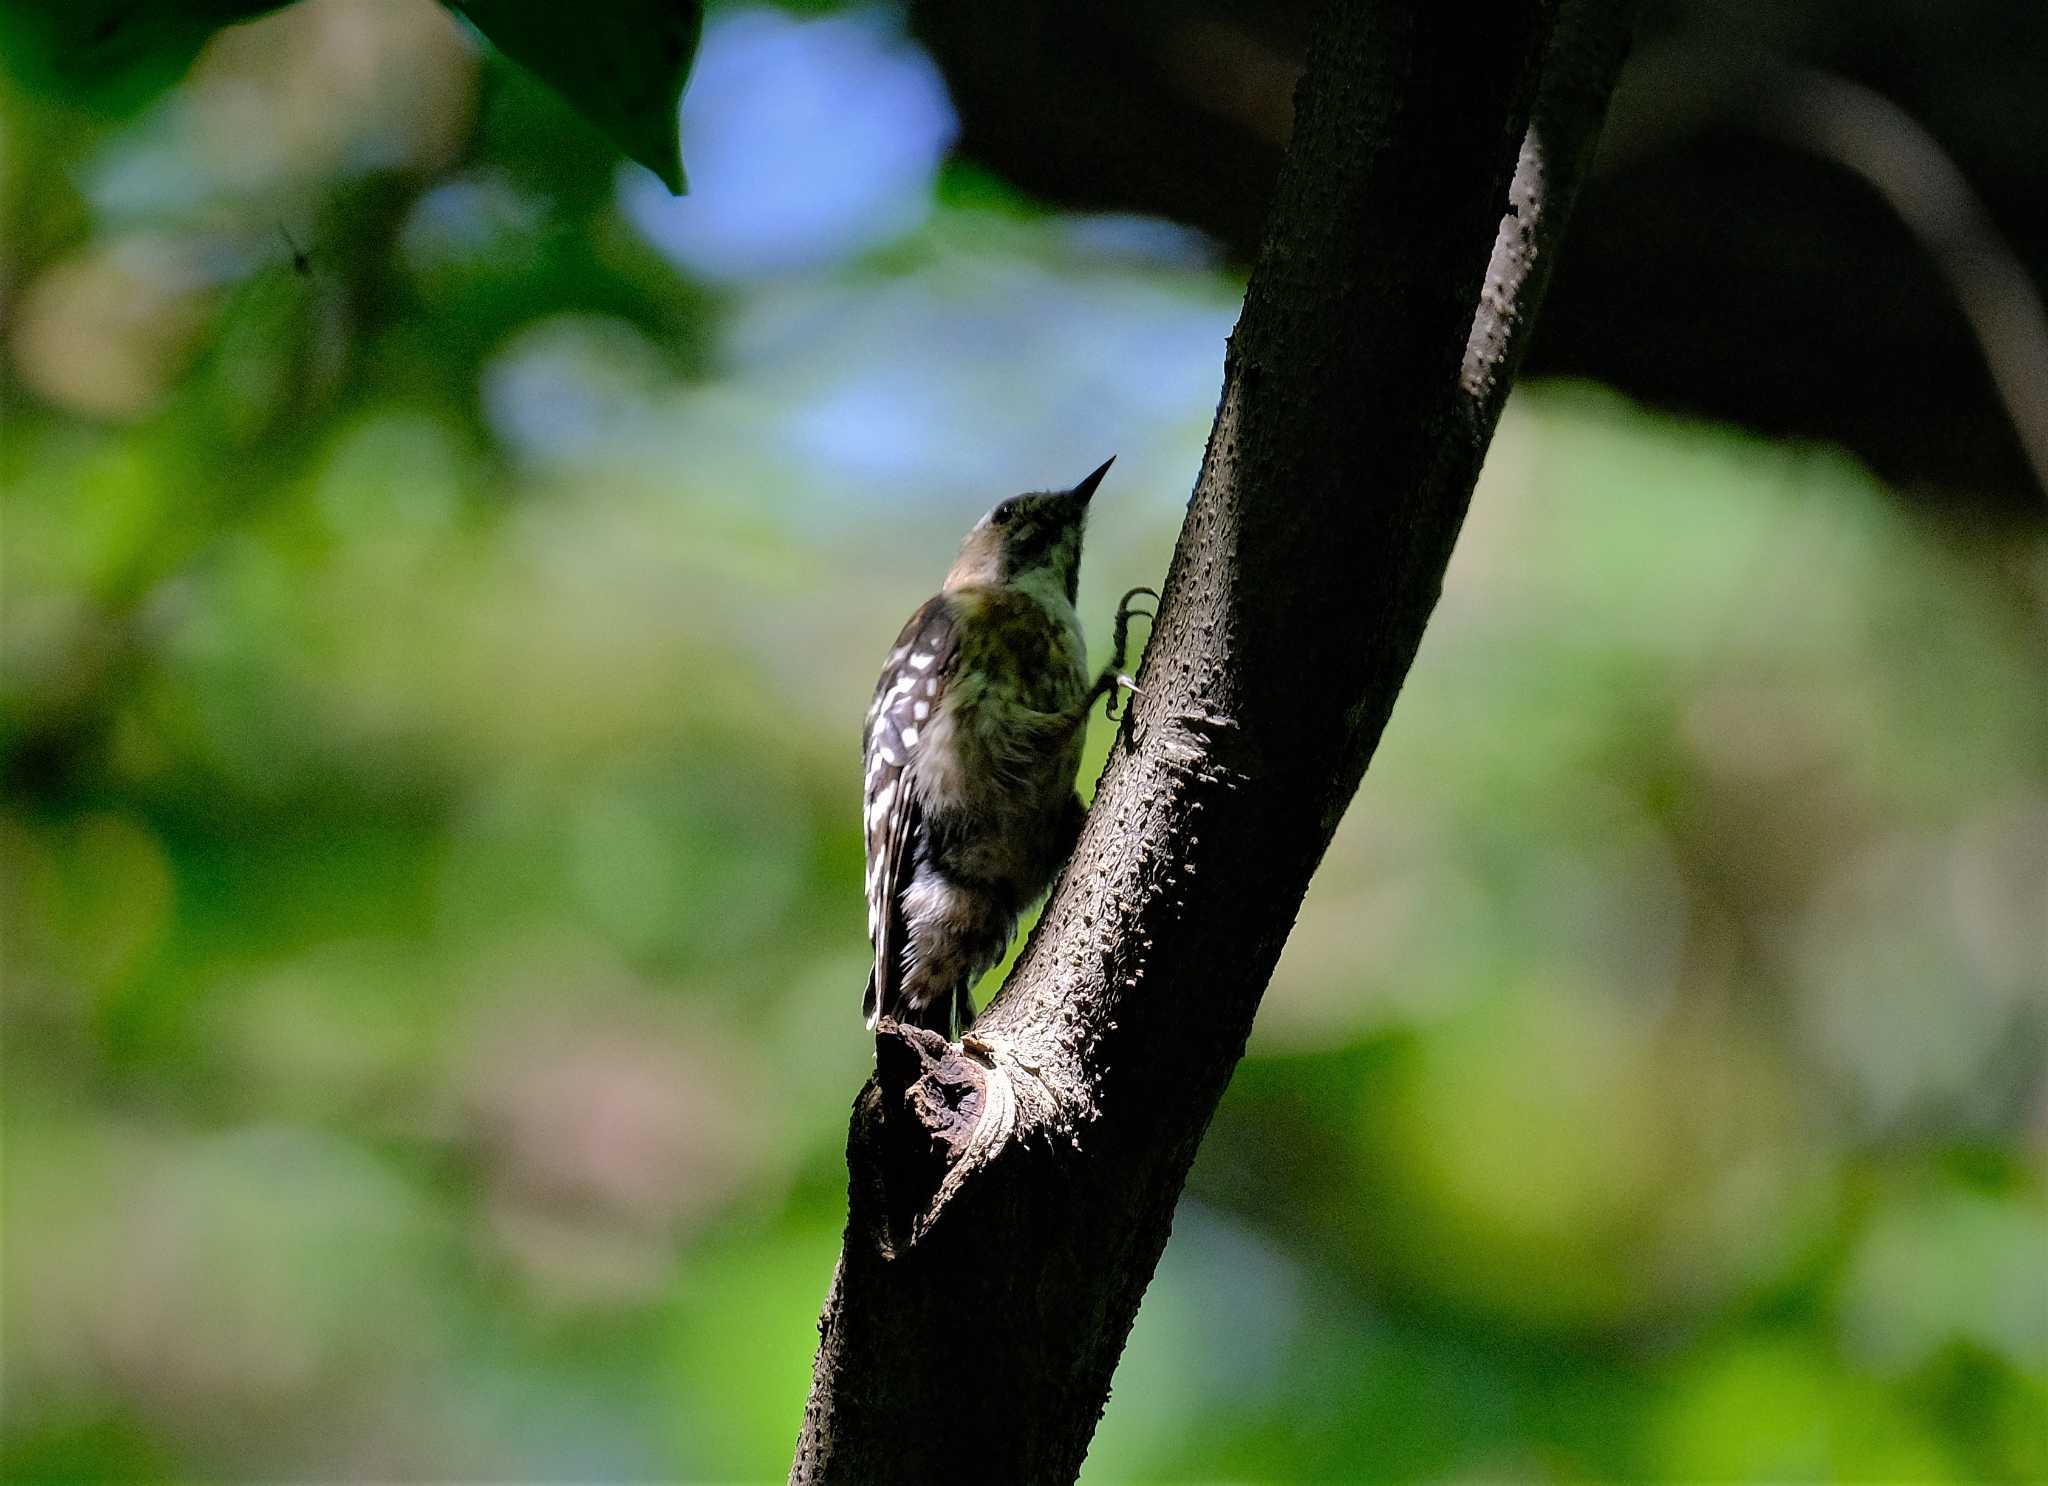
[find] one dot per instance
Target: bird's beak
(1086, 488)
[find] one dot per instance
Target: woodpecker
(971, 746)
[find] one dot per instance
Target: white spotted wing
(906, 699)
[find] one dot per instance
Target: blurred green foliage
(432, 675)
(622, 64)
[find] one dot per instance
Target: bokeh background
(443, 576)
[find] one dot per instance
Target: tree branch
(1009, 1198)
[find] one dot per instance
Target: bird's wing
(906, 702)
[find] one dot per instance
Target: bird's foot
(1120, 636)
(1114, 680)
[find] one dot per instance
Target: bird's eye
(1001, 515)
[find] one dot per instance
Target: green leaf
(111, 54)
(621, 64)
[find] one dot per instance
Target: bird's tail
(948, 1016)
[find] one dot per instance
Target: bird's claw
(1124, 613)
(1120, 636)
(1119, 640)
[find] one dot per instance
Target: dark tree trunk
(1011, 1196)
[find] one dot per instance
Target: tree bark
(1010, 1196)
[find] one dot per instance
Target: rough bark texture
(1010, 1197)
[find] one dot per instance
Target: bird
(971, 748)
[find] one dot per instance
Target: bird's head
(1030, 540)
